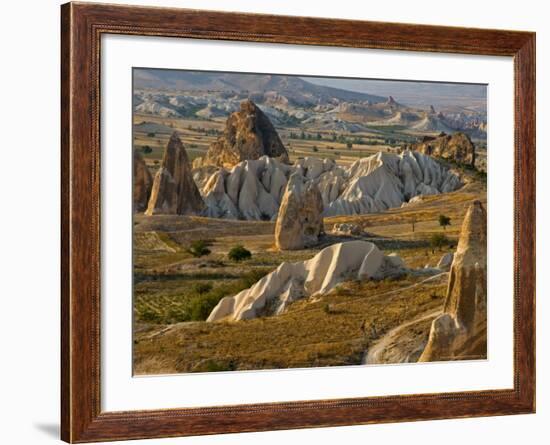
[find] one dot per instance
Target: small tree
(438, 240)
(349, 145)
(239, 253)
(315, 149)
(146, 149)
(444, 221)
(199, 248)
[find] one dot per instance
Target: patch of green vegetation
(239, 253)
(438, 240)
(199, 248)
(185, 301)
(444, 221)
(167, 239)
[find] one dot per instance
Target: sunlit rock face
(174, 191)
(253, 189)
(248, 135)
(352, 260)
(457, 147)
(461, 331)
(300, 220)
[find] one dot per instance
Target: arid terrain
(304, 226)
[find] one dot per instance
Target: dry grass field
(175, 291)
(152, 132)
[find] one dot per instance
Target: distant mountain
(293, 88)
(417, 93)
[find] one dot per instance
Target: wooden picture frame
(82, 26)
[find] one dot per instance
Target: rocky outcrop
(253, 189)
(386, 180)
(353, 260)
(143, 182)
(457, 147)
(248, 135)
(445, 261)
(300, 220)
(461, 331)
(347, 229)
(174, 191)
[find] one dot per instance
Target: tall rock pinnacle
(300, 220)
(248, 134)
(143, 182)
(174, 190)
(461, 331)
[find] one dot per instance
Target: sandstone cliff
(248, 134)
(457, 147)
(461, 331)
(143, 182)
(174, 191)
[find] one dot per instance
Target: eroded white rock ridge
(291, 281)
(253, 189)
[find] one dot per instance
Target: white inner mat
(121, 391)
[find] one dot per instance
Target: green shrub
(438, 240)
(146, 149)
(444, 221)
(239, 253)
(199, 248)
(200, 306)
(202, 288)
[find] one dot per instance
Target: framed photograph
(275, 222)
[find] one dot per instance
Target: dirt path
(372, 355)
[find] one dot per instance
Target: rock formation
(347, 229)
(446, 261)
(291, 281)
(253, 189)
(174, 191)
(457, 147)
(143, 182)
(300, 220)
(248, 134)
(461, 331)
(386, 180)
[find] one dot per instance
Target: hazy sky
(412, 92)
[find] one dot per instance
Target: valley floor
(371, 321)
